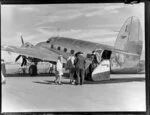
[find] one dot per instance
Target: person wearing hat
(80, 68)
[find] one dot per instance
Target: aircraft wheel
(33, 70)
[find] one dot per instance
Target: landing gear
(33, 70)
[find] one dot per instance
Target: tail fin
(130, 38)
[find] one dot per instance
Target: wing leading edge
(35, 52)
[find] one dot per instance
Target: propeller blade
(22, 41)
(18, 57)
(24, 61)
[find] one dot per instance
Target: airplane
(124, 57)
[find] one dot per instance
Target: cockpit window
(48, 41)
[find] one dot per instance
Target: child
(59, 70)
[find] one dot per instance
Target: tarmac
(123, 92)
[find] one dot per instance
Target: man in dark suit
(80, 68)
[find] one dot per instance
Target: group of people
(75, 65)
(78, 67)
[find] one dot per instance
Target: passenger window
(52, 46)
(72, 51)
(58, 48)
(65, 49)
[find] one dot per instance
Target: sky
(98, 23)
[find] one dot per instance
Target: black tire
(33, 70)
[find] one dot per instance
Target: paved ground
(34, 94)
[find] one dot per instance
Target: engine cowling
(27, 44)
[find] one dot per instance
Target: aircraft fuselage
(120, 63)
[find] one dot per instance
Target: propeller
(22, 41)
(24, 58)
(25, 44)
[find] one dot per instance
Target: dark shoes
(76, 84)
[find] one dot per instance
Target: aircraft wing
(34, 52)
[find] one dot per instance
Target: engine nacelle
(27, 44)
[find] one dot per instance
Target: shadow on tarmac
(112, 80)
(116, 80)
(27, 75)
(66, 75)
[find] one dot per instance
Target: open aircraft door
(102, 71)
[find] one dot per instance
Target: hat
(78, 53)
